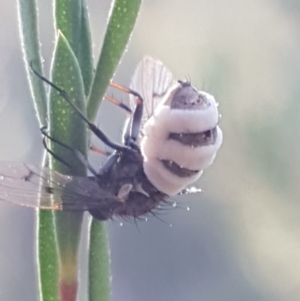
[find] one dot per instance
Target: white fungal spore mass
(180, 133)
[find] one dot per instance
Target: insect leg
(118, 103)
(136, 120)
(109, 163)
(135, 123)
(91, 126)
(99, 150)
(54, 155)
(126, 132)
(76, 153)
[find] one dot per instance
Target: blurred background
(240, 240)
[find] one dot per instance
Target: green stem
(99, 263)
(67, 126)
(46, 249)
(122, 19)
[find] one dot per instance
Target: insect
(170, 137)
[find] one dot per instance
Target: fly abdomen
(181, 172)
(181, 138)
(188, 156)
(195, 139)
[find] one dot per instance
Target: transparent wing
(30, 186)
(151, 80)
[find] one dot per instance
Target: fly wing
(151, 80)
(30, 186)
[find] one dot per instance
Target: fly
(170, 137)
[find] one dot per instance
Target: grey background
(240, 238)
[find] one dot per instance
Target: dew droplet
(188, 208)
(174, 205)
(194, 189)
(121, 224)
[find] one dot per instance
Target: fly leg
(52, 153)
(76, 153)
(133, 127)
(109, 163)
(118, 103)
(126, 133)
(92, 127)
(99, 150)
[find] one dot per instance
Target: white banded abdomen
(156, 145)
